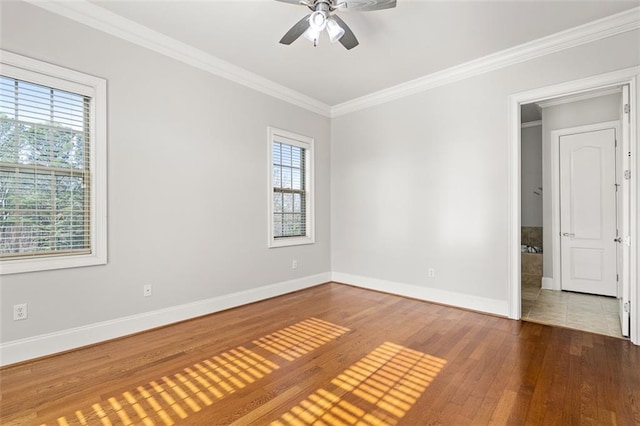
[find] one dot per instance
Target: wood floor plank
(334, 354)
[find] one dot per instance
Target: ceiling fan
(320, 18)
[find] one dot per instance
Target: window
(290, 189)
(52, 167)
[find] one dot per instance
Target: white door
(623, 215)
(588, 211)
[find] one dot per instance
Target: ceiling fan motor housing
(322, 5)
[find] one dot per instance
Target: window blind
(289, 192)
(44, 170)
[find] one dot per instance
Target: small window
(290, 189)
(52, 167)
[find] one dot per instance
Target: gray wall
(415, 183)
(574, 114)
(187, 172)
(531, 176)
(424, 181)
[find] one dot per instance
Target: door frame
(625, 76)
(555, 188)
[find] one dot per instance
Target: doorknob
(618, 239)
(567, 234)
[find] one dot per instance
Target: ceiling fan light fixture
(318, 20)
(312, 35)
(334, 30)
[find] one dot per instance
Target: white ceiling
(415, 39)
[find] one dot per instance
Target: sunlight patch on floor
(174, 397)
(377, 390)
(294, 341)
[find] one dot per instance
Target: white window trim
(279, 135)
(31, 70)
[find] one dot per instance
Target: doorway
(582, 162)
(611, 81)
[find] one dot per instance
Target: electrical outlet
(20, 312)
(294, 264)
(431, 272)
(147, 290)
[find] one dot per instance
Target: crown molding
(606, 27)
(529, 124)
(103, 20)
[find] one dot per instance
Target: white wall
(531, 176)
(187, 172)
(573, 114)
(423, 181)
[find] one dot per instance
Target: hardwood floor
(333, 355)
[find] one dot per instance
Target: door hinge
(627, 108)
(617, 277)
(627, 174)
(626, 307)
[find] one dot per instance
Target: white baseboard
(476, 303)
(547, 283)
(51, 343)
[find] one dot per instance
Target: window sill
(18, 266)
(292, 241)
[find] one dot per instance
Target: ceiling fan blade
(296, 31)
(349, 39)
(366, 5)
(290, 1)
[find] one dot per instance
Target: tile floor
(597, 314)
